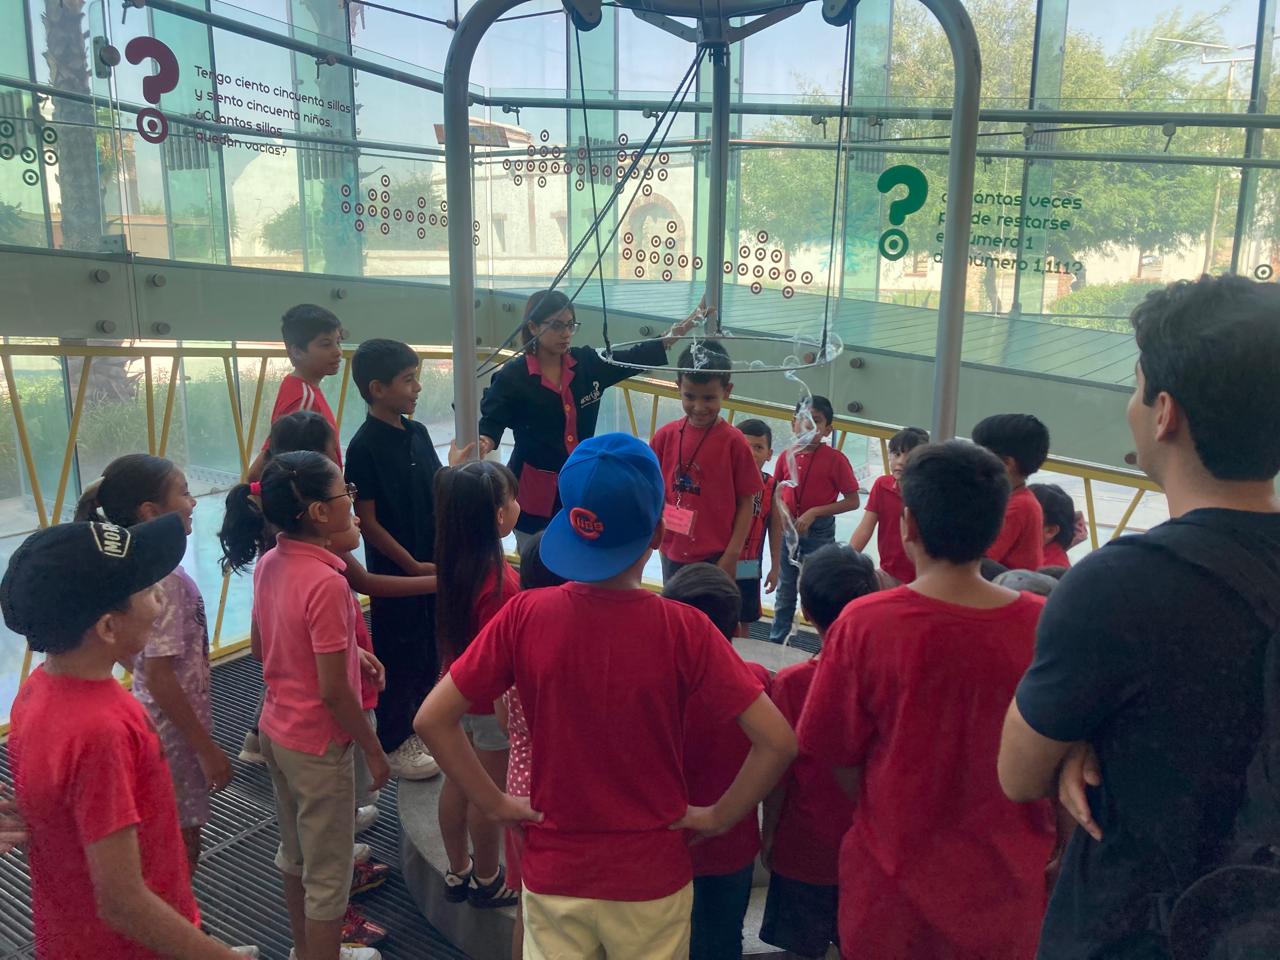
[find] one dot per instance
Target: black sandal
(493, 894)
(460, 892)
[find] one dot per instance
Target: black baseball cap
(63, 578)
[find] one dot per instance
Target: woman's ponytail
(88, 507)
(244, 530)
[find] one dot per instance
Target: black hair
(907, 439)
(290, 483)
(1058, 509)
(820, 405)
(533, 572)
(126, 484)
(540, 308)
(303, 323)
(1214, 346)
(956, 492)
(757, 428)
(468, 547)
(300, 430)
(704, 361)
(830, 578)
(68, 636)
(382, 360)
(706, 587)
(1019, 436)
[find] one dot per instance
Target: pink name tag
(678, 520)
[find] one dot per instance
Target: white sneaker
(410, 761)
(366, 817)
(247, 951)
(361, 851)
(251, 749)
(348, 953)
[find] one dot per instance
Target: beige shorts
(560, 927)
(315, 803)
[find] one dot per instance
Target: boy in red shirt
(884, 510)
(815, 483)
(711, 478)
(764, 519)
(713, 755)
(907, 706)
(1022, 443)
(109, 873)
(807, 814)
(605, 670)
(1059, 530)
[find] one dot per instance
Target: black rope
(595, 210)
(835, 200)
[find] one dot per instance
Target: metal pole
(718, 175)
(1262, 55)
(955, 244)
(457, 166)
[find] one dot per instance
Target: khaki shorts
(560, 927)
(484, 731)
(315, 803)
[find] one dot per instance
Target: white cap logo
(112, 541)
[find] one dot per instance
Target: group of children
(603, 749)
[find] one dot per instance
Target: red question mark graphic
(152, 125)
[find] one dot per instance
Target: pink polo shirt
(303, 607)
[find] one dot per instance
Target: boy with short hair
(605, 671)
(883, 515)
(764, 519)
(713, 755)
(392, 462)
(109, 873)
(711, 478)
(1021, 442)
(937, 863)
(807, 813)
(816, 483)
(1058, 532)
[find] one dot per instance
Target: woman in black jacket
(549, 397)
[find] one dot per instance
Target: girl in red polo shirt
(476, 507)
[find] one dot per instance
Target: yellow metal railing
(245, 433)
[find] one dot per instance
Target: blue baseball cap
(612, 493)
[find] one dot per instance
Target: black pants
(403, 633)
(719, 908)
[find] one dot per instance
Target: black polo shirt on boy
(396, 468)
(548, 422)
(1156, 663)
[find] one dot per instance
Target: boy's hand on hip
(1080, 770)
(514, 812)
(703, 822)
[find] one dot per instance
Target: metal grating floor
(238, 885)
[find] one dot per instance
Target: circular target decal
(422, 217)
(50, 157)
(697, 263)
(7, 128)
(682, 262)
(30, 177)
(542, 167)
(582, 153)
(385, 228)
(669, 259)
(518, 180)
(744, 252)
(787, 293)
(444, 206)
(359, 209)
(532, 151)
(755, 286)
(789, 276)
(806, 278)
(776, 256)
(372, 212)
(422, 202)
(671, 226)
(6, 151)
(626, 253)
(153, 126)
(664, 158)
(622, 156)
(655, 241)
(359, 226)
(385, 180)
(29, 154)
(662, 174)
(758, 272)
(48, 134)
(444, 221)
(761, 253)
(763, 236)
(373, 194)
(728, 267)
(422, 233)
(542, 181)
(742, 269)
(396, 213)
(346, 206)
(623, 139)
(578, 184)
(346, 189)
(666, 275)
(1263, 272)
(774, 273)
(434, 219)
(671, 243)
(608, 170)
(893, 244)
(476, 241)
(543, 151)
(386, 196)
(639, 271)
(647, 190)
(544, 135)
(506, 164)
(555, 152)
(628, 237)
(386, 212)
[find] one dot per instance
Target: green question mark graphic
(894, 243)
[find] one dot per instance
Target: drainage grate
(238, 885)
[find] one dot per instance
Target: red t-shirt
(87, 764)
(1055, 556)
(1020, 545)
(296, 394)
(753, 549)
(885, 501)
(605, 677)
(718, 469)
(816, 814)
(938, 862)
(822, 476)
(713, 755)
(368, 689)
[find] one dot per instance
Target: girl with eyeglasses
(549, 397)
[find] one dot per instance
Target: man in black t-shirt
(1148, 669)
